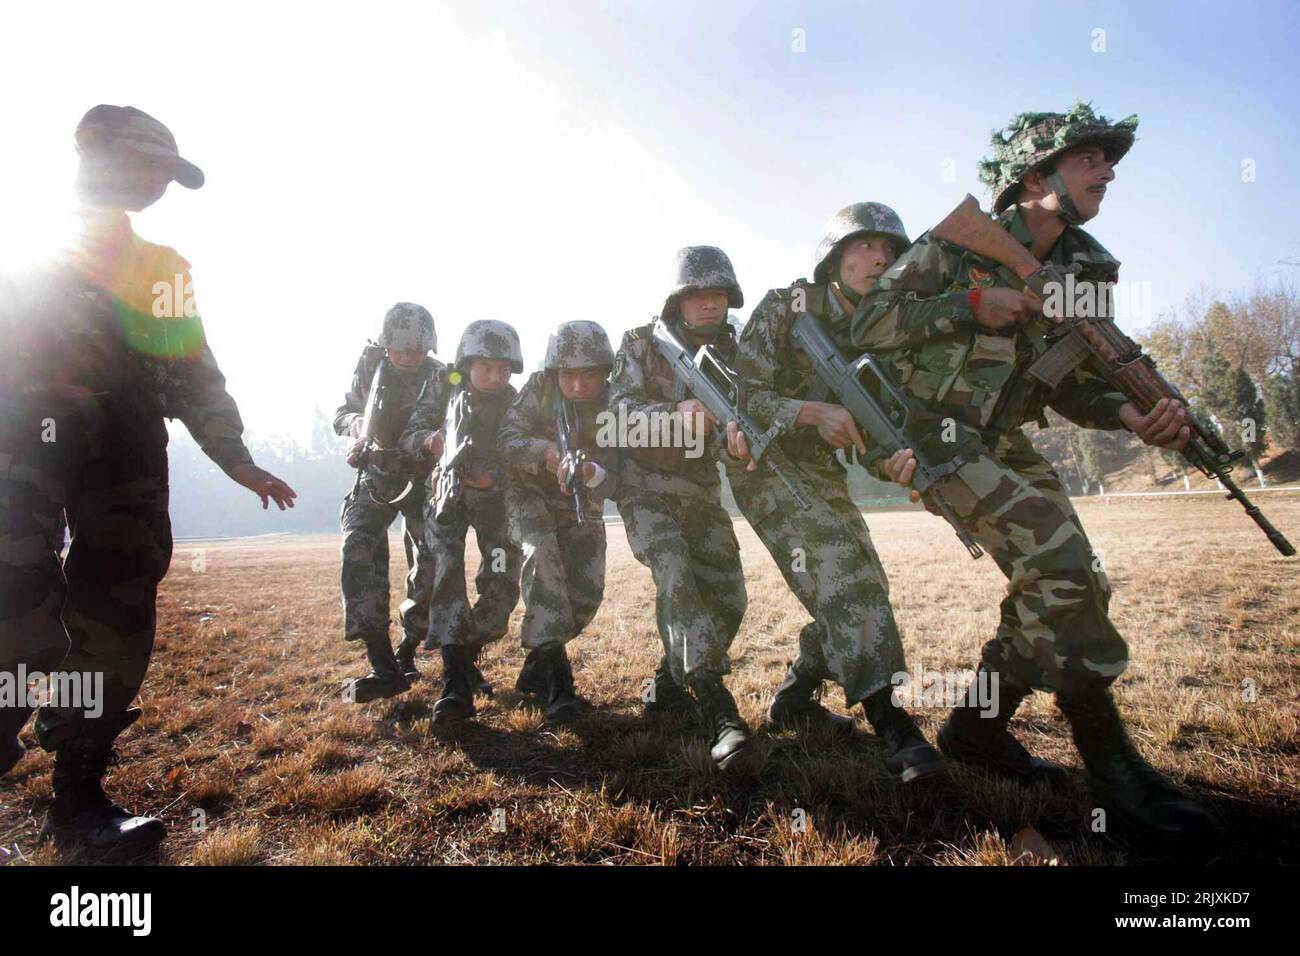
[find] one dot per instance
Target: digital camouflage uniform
(87, 354)
(917, 321)
(563, 579)
(451, 619)
(368, 510)
(674, 519)
(825, 552)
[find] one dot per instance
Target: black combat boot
(1123, 782)
(457, 700)
(531, 680)
(908, 755)
(667, 696)
(562, 702)
(385, 678)
(12, 720)
(798, 704)
(728, 732)
(406, 657)
(82, 813)
(974, 736)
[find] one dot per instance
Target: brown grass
(249, 754)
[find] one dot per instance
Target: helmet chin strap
(1069, 212)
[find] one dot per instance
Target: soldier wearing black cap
(101, 345)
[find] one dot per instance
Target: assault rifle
(566, 427)
(886, 424)
(1078, 339)
(375, 431)
(378, 401)
(706, 376)
(456, 446)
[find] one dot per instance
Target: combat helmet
(579, 344)
(1034, 140)
(704, 267)
(849, 223)
(409, 326)
(490, 339)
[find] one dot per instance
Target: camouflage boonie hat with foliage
(705, 267)
(490, 339)
(409, 326)
(579, 344)
(1033, 140)
(856, 220)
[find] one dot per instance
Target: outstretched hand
(265, 485)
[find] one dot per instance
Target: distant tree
(1282, 407)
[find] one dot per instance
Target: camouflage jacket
(918, 322)
(528, 429)
(779, 377)
(643, 384)
(486, 411)
(115, 320)
(426, 382)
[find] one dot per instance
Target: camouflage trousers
(563, 579)
(451, 619)
(691, 550)
(365, 519)
(94, 613)
(826, 557)
(1055, 632)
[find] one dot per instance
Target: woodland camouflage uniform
(1054, 631)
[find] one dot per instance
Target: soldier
(564, 560)
(825, 552)
(670, 500)
(954, 335)
(487, 355)
(96, 357)
(389, 483)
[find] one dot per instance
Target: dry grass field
(243, 720)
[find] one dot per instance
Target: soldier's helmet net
(696, 268)
(852, 222)
(490, 339)
(580, 344)
(409, 326)
(1033, 141)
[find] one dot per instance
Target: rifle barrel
(1277, 537)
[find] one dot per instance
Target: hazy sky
(538, 162)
